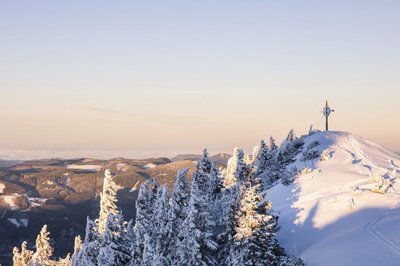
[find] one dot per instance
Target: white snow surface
(36, 202)
(331, 216)
(2, 187)
(149, 166)
(19, 222)
(88, 167)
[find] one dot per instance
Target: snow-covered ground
(36, 202)
(149, 166)
(23, 222)
(2, 187)
(87, 167)
(346, 211)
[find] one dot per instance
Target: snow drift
(343, 209)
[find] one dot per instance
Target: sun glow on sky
(183, 75)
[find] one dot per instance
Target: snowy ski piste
(346, 209)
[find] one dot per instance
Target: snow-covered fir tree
(267, 168)
(230, 178)
(197, 245)
(177, 213)
(89, 250)
(261, 163)
(204, 224)
(242, 170)
(43, 249)
(114, 248)
(227, 223)
(157, 243)
(272, 144)
(144, 226)
(94, 236)
(77, 244)
(254, 242)
(108, 200)
(42, 255)
(22, 258)
(290, 148)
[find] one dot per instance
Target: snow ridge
(342, 211)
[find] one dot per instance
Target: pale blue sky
(182, 75)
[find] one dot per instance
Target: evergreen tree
(290, 148)
(108, 199)
(157, 245)
(63, 262)
(197, 246)
(89, 251)
(43, 249)
(242, 170)
(215, 181)
(231, 168)
(267, 167)
(180, 199)
(145, 204)
(254, 242)
(77, 244)
(254, 154)
(177, 212)
(114, 245)
(261, 163)
(272, 144)
(228, 212)
(42, 255)
(22, 258)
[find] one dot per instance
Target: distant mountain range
(62, 193)
(221, 158)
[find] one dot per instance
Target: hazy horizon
(186, 75)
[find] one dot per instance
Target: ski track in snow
(371, 230)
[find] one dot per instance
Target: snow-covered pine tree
(108, 199)
(272, 144)
(77, 244)
(114, 246)
(87, 255)
(177, 212)
(215, 181)
(43, 249)
(254, 154)
(242, 170)
(42, 255)
(290, 148)
(22, 258)
(254, 242)
(228, 210)
(261, 163)
(157, 242)
(291, 135)
(63, 262)
(145, 206)
(231, 167)
(197, 246)
(267, 168)
(180, 199)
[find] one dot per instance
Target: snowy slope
(332, 216)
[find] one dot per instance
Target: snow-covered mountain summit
(344, 207)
